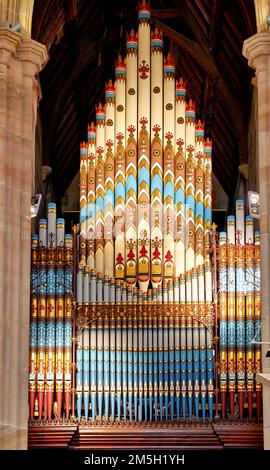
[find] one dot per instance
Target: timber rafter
(205, 59)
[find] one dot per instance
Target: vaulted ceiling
(84, 36)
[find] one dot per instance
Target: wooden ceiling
(84, 36)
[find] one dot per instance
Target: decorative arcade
(145, 313)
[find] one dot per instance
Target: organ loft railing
(142, 315)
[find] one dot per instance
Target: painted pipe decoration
(33, 334)
(180, 177)
(131, 158)
(149, 354)
(223, 323)
(190, 185)
(100, 183)
(91, 196)
(250, 311)
(120, 165)
(258, 322)
(141, 344)
(239, 307)
(50, 361)
(169, 157)
(83, 200)
(109, 180)
(156, 157)
(158, 188)
(146, 170)
(144, 117)
(68, 300)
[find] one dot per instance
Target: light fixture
(254, 204)
(35, 203)
(16, 27)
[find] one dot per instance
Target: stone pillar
(20, 61)
(257, 50)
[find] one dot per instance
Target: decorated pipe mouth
(180, 92)
(190, 113)
(51, 207)
(120, 70)
(43, 222)
(169, 69)
(83, 150)
(155, 42)
(144, 15)
(199, 133)
(132, 44)
(100, 117)
(240, 203)
(109, 94)
(91, 135)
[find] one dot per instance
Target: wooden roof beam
(87, 54)
(216, 14)
(208, 103)
(246, 8)
(186, 14)
(205, 59)
(71, 14)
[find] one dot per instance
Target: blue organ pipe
(130, 366)
(100, 346)
(93, 367)
(124, 292)
(112, 365)
(106, 289)
(106, 365)
(210, 374)
(150, 364)
(202, 342)
(129, 294)
(196, 352)
(118, 289)
(155, 360)
(160, 366)
(85, 350)
(79, 350)
(100, 374)
(189, 347)
(135, 362)
(166, 365)
(177, 361)
(183, 342)
(172, 365)
(124, 366)
(141, 361)
(145, 362)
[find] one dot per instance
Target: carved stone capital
(257, 50)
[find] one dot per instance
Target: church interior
(134, 223)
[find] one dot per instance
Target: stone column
(257, 50)
(20, 62)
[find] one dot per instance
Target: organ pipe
(124, 329)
